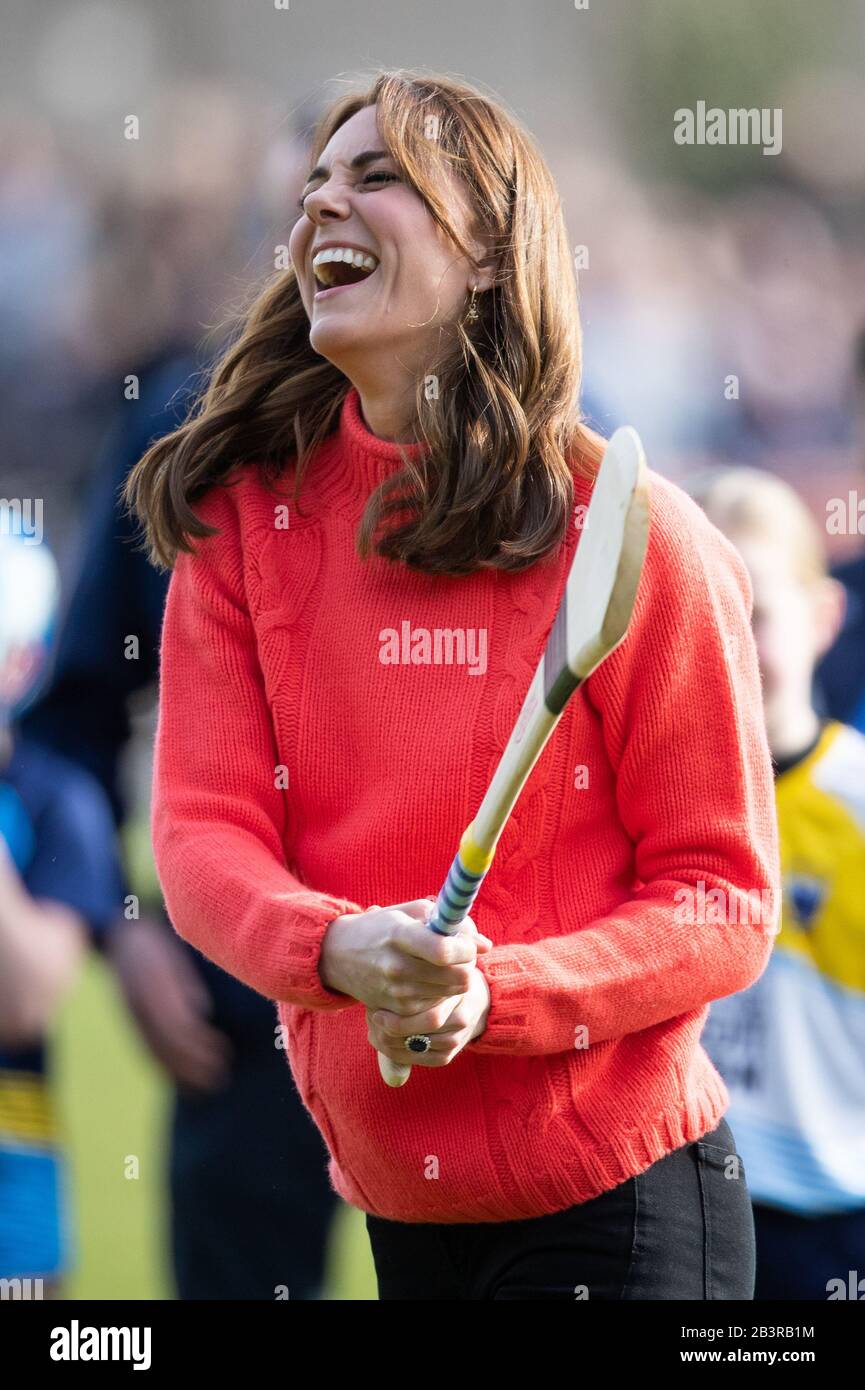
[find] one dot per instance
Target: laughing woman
(415, 378)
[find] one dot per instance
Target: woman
(341, 667)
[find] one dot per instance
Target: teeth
(362, 260)
(345, 253)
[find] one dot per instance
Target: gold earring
(472, 314)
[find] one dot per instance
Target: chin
(332, 340)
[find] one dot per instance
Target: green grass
(114, 1106)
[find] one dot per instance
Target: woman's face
(420, 281)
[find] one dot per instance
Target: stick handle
(453, 905)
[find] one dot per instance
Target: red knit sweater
(299, 776)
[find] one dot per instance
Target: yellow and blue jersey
(57, 826)
(791, 1047)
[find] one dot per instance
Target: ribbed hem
(512, 1168)
(542, 1173)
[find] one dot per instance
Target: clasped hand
(410, 979)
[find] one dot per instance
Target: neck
(387, 401)
(388, 417)
(790, 731)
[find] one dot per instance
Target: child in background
(59, 879)
(791, 1047)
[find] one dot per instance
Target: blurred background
(703, 266)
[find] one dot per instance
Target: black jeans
(681, 1230)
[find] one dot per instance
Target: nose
(326, 204)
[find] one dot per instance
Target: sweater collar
(359, 460)
(363, 460)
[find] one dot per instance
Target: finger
(396, 1051)
(203, 1068)
(413, 985)
(417, 908)
(467, 927)
(198, 1078)
(439, 951)
(206, 1071)
(181, 1043)
(482, 943)
(438, 1019)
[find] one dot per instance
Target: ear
(487, 263)
(830, 610)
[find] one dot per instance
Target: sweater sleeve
(217, 815)
(685, 678)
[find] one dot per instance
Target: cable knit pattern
(298, 777)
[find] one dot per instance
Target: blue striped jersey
(56, 825)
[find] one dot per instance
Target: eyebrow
(358, 162)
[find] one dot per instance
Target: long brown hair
(493, 487)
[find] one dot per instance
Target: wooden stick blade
(591, 620)
(602, 585)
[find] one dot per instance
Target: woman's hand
(449, 1025)
(388, 958)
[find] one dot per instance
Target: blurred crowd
(105, 271)
(720, 325)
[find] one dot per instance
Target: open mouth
(338, 266)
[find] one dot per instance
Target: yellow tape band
(475, 859)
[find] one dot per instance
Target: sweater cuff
(303, 943)
(510, 999)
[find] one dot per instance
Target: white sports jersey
(791, 1047)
